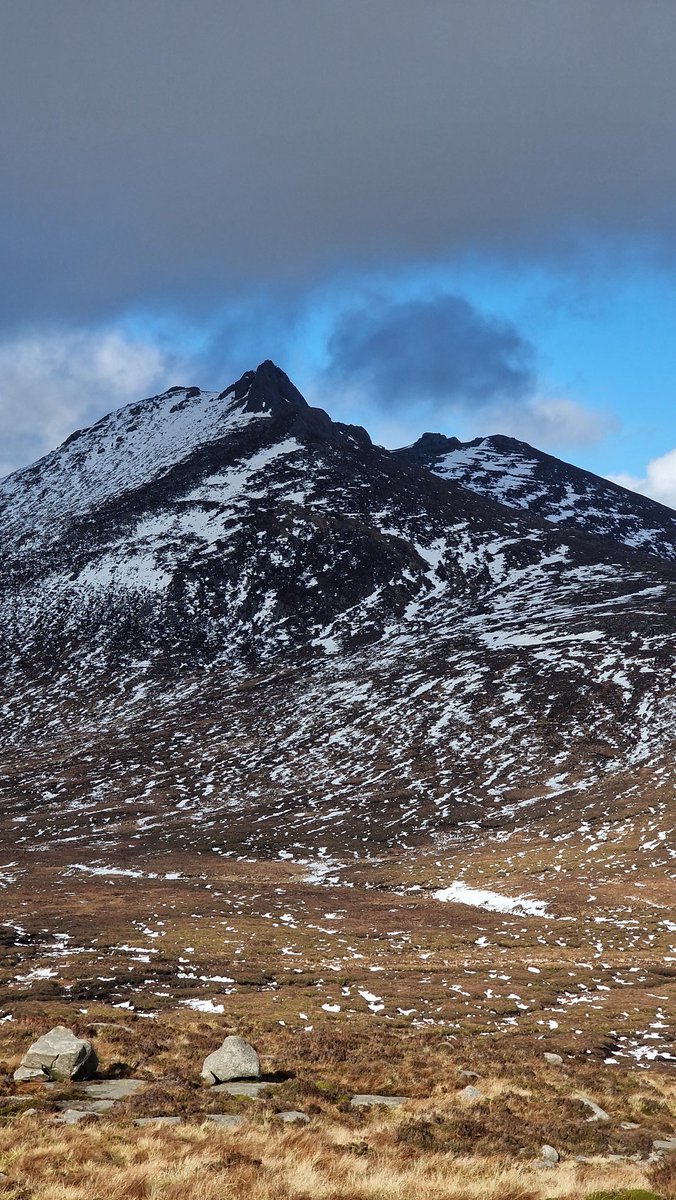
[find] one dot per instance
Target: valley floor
(416, 974)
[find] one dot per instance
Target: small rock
(28, 1112)
(29, 1075)
(242, 1088)
(469, 1074)
(549, 1153)
(112, 1089)
(60, 1055)
(226, 1119)
(598, 1113)
(366, 1100)
(73, 1116)
(234, 1059)
(554, 1060)
(629, 1125)
(158, 1120)
(90, 1106)
(470, 1093)
(292, 1117)
(665, 1145)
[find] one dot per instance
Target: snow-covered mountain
(225, 612)
(516, 474)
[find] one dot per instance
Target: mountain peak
(266, 389)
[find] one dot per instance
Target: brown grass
(264, 1162)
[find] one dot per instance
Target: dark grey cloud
(168, 149)
(439, 350)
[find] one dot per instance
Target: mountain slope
(521, 477)
(375, 640)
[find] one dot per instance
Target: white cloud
(659, 481)
(56, 381)
(550, 423)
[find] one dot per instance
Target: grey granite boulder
(234, 1059)
(58, 1054)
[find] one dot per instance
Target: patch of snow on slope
(459, 893)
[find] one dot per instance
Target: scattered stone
(665, 1145)
(234, 1059)
(112, 1089)
(29, 1075)
(292, 1117)
(226, 1119)
(242, 1088)
(3, 1178)
(73, 1116)
(549, 1154)
(629, 1125)
(90, 1106)
(58, 1054)
(158, 1120)
(469, 1074)
(367, 1101)
(470, 1093)
(28, 1112)
(598, 1113)
(554, 1060)
(582, 1158)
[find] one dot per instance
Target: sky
(453, 215)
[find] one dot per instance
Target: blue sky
(449, 216)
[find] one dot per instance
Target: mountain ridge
(527, 479)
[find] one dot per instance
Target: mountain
(521, 477)
(225, 603)
(301, 739)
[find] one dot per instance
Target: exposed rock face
(60, 1055)
(235, 1059)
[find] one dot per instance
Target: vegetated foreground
(348, 979)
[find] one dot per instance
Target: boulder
(554, 1060)
(665, 1145)
(549, 1154)
(73, 1116)
(59, 1055)
(598, 1113)
(234, 1059)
